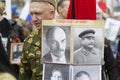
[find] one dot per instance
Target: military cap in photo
(52, 2)
(86, 33)
(2, 7)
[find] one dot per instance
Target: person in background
(5, 30)
(6, 69)
(30, 66)
(109, 67)
(118, 55)
(5, 27)
(62, 8)
(14, 10)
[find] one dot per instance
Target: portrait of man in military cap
(89, 49)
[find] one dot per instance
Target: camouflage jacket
(30, 67)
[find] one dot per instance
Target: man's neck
(60, 59)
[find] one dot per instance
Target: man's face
(88, 41)
(83, 77)
(64, 9)
(40, 11)
(57, 42)
(56, 76)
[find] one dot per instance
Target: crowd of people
(11, 31)
(30, 67)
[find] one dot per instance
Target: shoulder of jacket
(77, 51)
(34, 34)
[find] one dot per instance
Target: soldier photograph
(89, 50)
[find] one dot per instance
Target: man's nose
(92, 40)
(61, 45)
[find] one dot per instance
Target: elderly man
(87, 54)
(30, 67)
(62, 8)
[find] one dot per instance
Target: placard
(61, 41)
(112, 27)
(71, 72)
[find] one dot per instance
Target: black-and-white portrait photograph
(56, 44)
(86, 72)
(16, 50)
(116, 7)
(56, 72)
(88, 44)
(112, 27)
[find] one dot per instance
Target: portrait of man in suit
(56, 41)
(87, 53)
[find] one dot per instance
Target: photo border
(11, 53)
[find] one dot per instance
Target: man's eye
(54, 43)
(37, 13)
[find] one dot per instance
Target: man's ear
(60, 10)
(52, 14)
